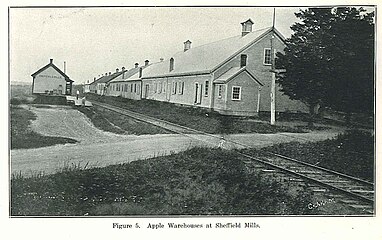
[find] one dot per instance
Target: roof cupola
(246, 27)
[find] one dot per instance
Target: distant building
(51, 80)
(86, 88)
(99, 86)
(128, 84)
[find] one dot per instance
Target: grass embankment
(23, 137)
(116, 123)
(195, 118)
(351, 153)
(197, 181)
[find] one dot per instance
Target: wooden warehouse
(231, 76)
(51, 80)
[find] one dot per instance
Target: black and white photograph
(192, 113)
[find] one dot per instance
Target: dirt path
(98, 148)
(62, 121)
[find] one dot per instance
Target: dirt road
(99, 148)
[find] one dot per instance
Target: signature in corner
(320, 203)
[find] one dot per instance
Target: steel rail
(143, 117)
(309, 178)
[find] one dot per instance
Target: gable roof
(55, 68)
(108, 78)
(128, 75)
(133, 74)
(233, 72)
(207, 58)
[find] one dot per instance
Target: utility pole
(273, 72)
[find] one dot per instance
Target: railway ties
(356, 193)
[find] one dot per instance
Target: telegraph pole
(273, 72)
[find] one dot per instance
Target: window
(164, 87)
(171, 64)
(180, 88)
(138, 88)
(236, 93)
(174, 85)
(267, 56)
(206, 86)
(220, 91)
(131, 87)
(135, 87)
(159, 87)
(243, 60)
(126, 86)
(155, 87)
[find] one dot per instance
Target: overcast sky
(93, 41)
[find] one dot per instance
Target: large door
(147, 90)
(198, 93)
(168, 90)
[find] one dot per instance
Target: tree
(329, 59)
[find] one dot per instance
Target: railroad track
(355, 192)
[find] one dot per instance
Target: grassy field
(196, 118)
(197, 181)
(112, 122)
(23, 137)
(351, 153)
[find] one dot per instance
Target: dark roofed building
(100, 84)
(51, 80)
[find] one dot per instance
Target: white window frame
(180, 88)
(206, 88)
(174, 86)
(234, 99)
(265, 50)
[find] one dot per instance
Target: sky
(93, 41)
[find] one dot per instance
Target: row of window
(177, 87)
(132, 87)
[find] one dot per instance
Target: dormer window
(140, 72)
(246, 27)
(243, 60)
(171, 64)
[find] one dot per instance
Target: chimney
(123, 69)
(187, 45)
(161, 59)
(123, 72)
(246, 27)
(136, 65)
(117, 70)
(95, 78)
(109, 73)
(51, 60)
(147, 62)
